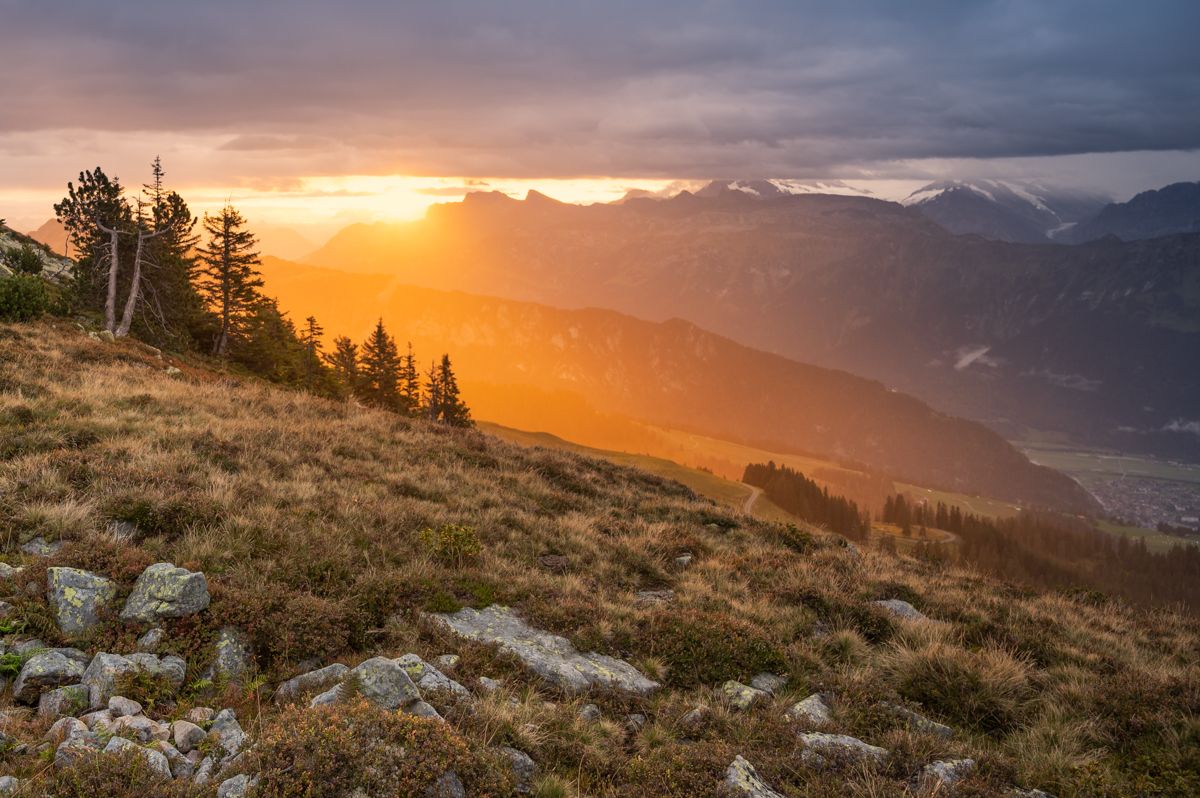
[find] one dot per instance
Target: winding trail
(748, 506)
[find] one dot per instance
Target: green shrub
(22, 297)
(24, 260)
(452, 544)
(707, 648)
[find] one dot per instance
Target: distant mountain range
(1093, 344)
(1151, 214)
(526, 364)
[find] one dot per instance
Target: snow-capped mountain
(778, 187)
(1004, 210)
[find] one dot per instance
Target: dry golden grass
(307, 517)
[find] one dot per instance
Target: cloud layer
(663, 89)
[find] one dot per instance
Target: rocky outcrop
(942, 776)
(743, 697)
(743, 780)
(165, 591)
(379, 680)
(812, 712)
(548, 656)
(824, 750)
(77, 597)
(428, 678)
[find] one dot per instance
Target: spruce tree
(310, 337)
(344, 362)
(227, 278)
(410, 382)
(380, 370)
(453, 410)
(433, 393)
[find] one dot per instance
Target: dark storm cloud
(617, 88)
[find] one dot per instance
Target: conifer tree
(227, 278)
(380, 370)
(344, 362)
(410, 382)
(444, 402)
(433, 392)
(310, 337)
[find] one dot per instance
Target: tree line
(804, 498)
(1059, 552)
(149, 268)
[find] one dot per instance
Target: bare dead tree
(135, 283)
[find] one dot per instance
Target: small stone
(187, 735)
(45, 671)
(165, 591)
(77, 597)
(64, 729)
(74, 749)
(140, 726)
(695, 721)
(235, 787)
(448, 786)
(943, 775)
(228, 733)
(233, 658)
(901, 609)
(523, 767)
(768, 683)
(9, 784)
(489, 685)
(635, 721)
(40, 547)
(120, 706)
(199, 715)
(204, 771)
(812, 711)
(590, 713)
(743, 780)
(107, 336)
(313, 681)
(822, 750)
(683, 560)
(155, 759)
(181, 766)
(920, 723)
(69, 700)
(446, 663)
(100, 720)
(122, 531)
(9, 572)
(423, 710)
(101, 677)
(428, 678)
(384, 683)
(743, 697)
(150, 642)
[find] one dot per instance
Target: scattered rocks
(381, 681)
(901, 609)
(119, 706)
(743, 697)
(76, 597)
(768, 683)
(943, 775)
(45, 671)
(743, 779)
(155, 759)
(186, 735)
(812, 711)
(314, 681)
(823, 750)
(165, 591)
(549, 656)
(590, 713)
(63, 701)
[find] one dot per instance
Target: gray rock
(200, 715)
(187, 735)
(384, 683)
(331, 696)
(901, 609)
(9, 572)
(228, 732)
(695, 721)
(635, 721)
(768, 683)
(743, 780)
(9, 784)
(683, 560)
(204, 770)
(155, 759)
(822, 750)
(101, 677)
(40, 547)
(66, 728)
(1016, 792)
(141, 727)
(812, 711)
(150, 642)
(30, 646)
(6, 609)
(423, 710)
(74, 749)
(550, 657)
(171, 668)
(524, 769)
(233, 660)
(446, 663)
(743, 697)
(100, 720)
(489, 685)
(119, 706)
(427, 677)
(235, 787)
(943, 775)
(122, 530)
(311, 682)
(76, 597)
(69, 700)
(43, 672)
(590, 713)
(165, 591)
(920, 723)
(181, 766)
(448, 786)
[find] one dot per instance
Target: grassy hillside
(306, 516)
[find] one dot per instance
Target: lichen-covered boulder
(171, 668)
(901, 609)
(384, 683)
(234, 787)
(165, 591)
(101, 677)
(45, 671)
(743, 697)
(943, 775)
(155, 759)
(63, 701)
(74, 749)
(313, 681)
(77, 597)
(812, 711)
(524, 769)
(427, 677)
(823, 750)
(768, 682)
(743, 779)
(40, 547)
(233, 659)
(550, 657)
(227, 732)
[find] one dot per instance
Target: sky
(317, 114)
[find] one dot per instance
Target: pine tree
(452, 410)
(310, 337)
(227, 278)
(344, 362)
(380, 370)
(410, 382)
(433, 393)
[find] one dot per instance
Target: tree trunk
(110, 303)
(135, 287)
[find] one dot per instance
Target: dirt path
(751, 499)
